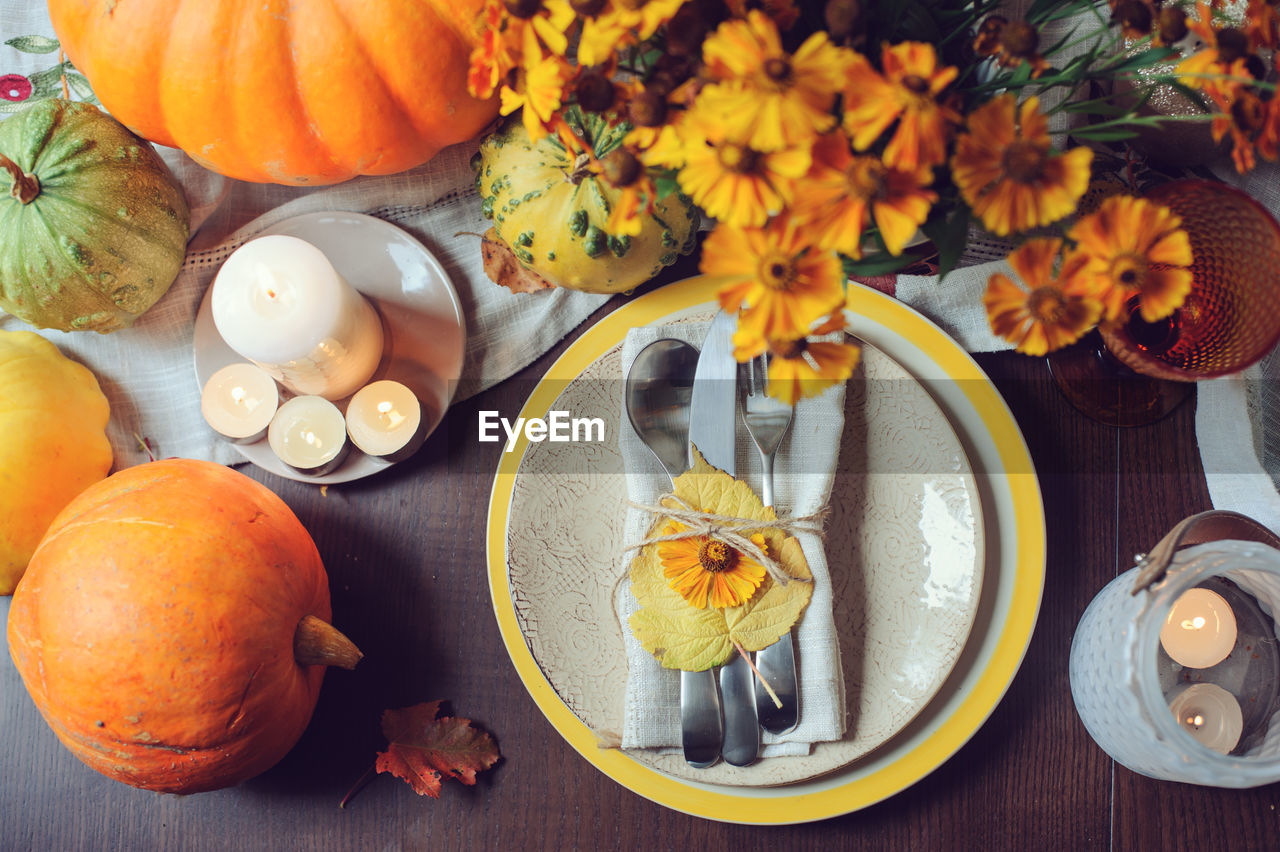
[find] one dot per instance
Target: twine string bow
(730, 529)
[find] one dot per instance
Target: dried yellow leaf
(681, 636)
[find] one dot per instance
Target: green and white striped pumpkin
(550, 211)
(93, 226)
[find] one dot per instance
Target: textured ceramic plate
(957, 407)
(904, 545)
(421, 319)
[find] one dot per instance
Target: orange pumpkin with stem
(284, 91)
(172, 627)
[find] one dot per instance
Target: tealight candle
(278, 302)
(239, 401)
(1210, 714)
(384, 419)
(1200, 630)
(309, 434)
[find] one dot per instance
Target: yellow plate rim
(888, 324)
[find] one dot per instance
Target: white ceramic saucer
(421, 318)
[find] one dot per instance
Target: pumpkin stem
(25, 186)
(318, 643)
(581, 168)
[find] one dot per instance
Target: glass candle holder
(1171, 721)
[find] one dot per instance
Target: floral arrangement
(822, 138)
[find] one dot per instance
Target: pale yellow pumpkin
(53, 443)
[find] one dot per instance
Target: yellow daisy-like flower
(1007, 172)
(733, 182)
(844, 192)
(1044, 312)
(540, 90)
(622, 23)
(706, 571)
(907, 92)
(1135, 248)
(764, 95)
(782, 279)
(803, 367)
(507, 41)
(491, 59)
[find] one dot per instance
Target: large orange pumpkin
(172, 627)
(283, 91)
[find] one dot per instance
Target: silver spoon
(658, 388)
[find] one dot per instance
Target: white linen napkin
(804, 470)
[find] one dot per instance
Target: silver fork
(767, 421)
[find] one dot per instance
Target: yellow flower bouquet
(822, 138)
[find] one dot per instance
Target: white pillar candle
(278, 302)
(384, 419)
(239, 401)
(1210, 714)
(309, 434)
(1200, 630)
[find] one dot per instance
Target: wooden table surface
(405, 551)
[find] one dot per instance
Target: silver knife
(713, 418)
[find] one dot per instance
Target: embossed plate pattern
(1013, 576)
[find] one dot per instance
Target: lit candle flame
(388, 416)
(1196, 623)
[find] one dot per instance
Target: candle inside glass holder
(239, 401)
(384, 419)
(1210, 714)
(1200, 630)
(309, 434)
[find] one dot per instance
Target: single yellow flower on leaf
(707, 571)
(682, 636)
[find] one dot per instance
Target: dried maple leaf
(423, 746)
(681, 636)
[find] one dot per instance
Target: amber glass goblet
(1137, 372)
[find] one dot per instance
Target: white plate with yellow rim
(1013, 571)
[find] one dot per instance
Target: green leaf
(883, 263)
(33, 44)
(1105, 106)
(80, 86)
(666, 185)
(1145, 59)
(1105, 134)
(46, 83)
(949, 236)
